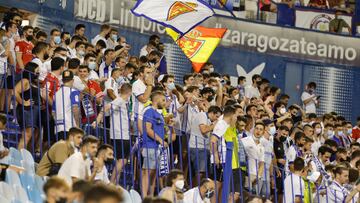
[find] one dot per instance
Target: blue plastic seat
(15, 154)
(12, 178)
(6, 191)
(28, 161)
(21, 194)
(39, 181)
(27, 181)
(35, 195)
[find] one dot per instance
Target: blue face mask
(114, 37)
(349, 131)
(92, 65)
(341, 133)
(171, 86)
(57, 39)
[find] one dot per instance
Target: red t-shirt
(52, 83)
(25, 48)
(88, 104)
(356, 133)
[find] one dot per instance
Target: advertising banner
(317, 20)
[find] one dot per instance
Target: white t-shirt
(219, 131)
(72, 52)
(74, 166)
(143, 51)
(311, 106)
(93, 75)
(197, 139)
(97, 38)
(268, 155)
(187, 117)
(111, 84)
(2, 148)
(103, 176)
(291, 155)
(193, 196)
(42, 68)
(138, 89)
(251, 91)
(293, 187)
(47, 65)
(12, 49)
(65, 99)
(78, 83)
(255, 153)
(119, 119)
(111, 44)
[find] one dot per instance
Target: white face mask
(211, 70)
(330, 133)
(179, 184)
(282, 111)
(236, 97)
(272, 130)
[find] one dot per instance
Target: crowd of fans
(89, 109)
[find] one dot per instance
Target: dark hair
(125, 87)
(81, 186)
(254, 77)
(39, 47)
(230, 102)
(187, 76)
(40, 34)
(101, 43)
(241, 78)
(259, 123)
(117, 59)
(54, 30)
(74, 63)
(104, 27)
(100, 192)
(27, 27)
(312, 115)
(214, 109)
(341, 150)
(339, 170)
(278, 105)
(324, 149)
(76, 38)
(204, 181)
(229, 111)
(283, 127)
(331, 143)
(284, 96)
(103, 148)
(57, 63)
(312, 85)
(63, 34)
(107, 51)
(249, 107)
(173, 175)
(299, 164)
(88, 55)
(79, 43)
(166, 78)
(273, 90)
(79, 26)
(155, 94)
(89, 139)
(307, 126)
(84, 67)
(153, 38)
(115, 70)
(76, 130)
(354, 144)
(242, 119)
(8, 25)
(130, 65)
(59, 49)
(357, 164)
(155, 53)
(355, 154)
(299, 135)
(353, 175)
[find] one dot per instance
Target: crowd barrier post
(227, 171)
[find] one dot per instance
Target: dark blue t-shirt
(157, 123)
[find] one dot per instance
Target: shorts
(28, 118)
(200, 158)
(238, 175)
(216, 172)
(122, 148)
(150, 156)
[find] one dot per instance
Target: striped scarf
(164, 168)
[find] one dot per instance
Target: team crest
(222, 3)
(190, 43)
(178, 8)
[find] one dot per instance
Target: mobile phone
(318, 97)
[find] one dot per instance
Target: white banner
(317, 20)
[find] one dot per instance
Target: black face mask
(209, 194)
(61, 200)
(67, 41)
(258, 83)
(46, 56)
(210, 98)
(109, 162)
(153, 61)
(29, 38)
(300, 145)
(282, 139)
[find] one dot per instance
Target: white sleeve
(305, 96)
(189, 196)
(137, 89)
(75, 170)
(78, 84)
(248, 92)
(219, 130)
(262, 154)
(108, 84)
(143, 51)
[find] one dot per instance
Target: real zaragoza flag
(198, 44)
(180, 15)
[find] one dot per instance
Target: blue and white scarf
(320, 167)
(164, 168)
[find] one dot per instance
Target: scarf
(320, 167)
(164, 168)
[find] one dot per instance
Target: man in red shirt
(51, 82)
(356, 130)
(88, 110)
(23, 49)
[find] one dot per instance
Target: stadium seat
(5, 160)
(28, 161)
(35, 195)
(39, 182)
(27, 181)
(21, 194)
(15, 154)
(6, 191)
(12, 178)
(4, 200)
(135, 196)
(127, 197)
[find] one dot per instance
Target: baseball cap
(67, 76)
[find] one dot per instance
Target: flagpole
(226, 8)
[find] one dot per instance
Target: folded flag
(180, 15)
(198, 44)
